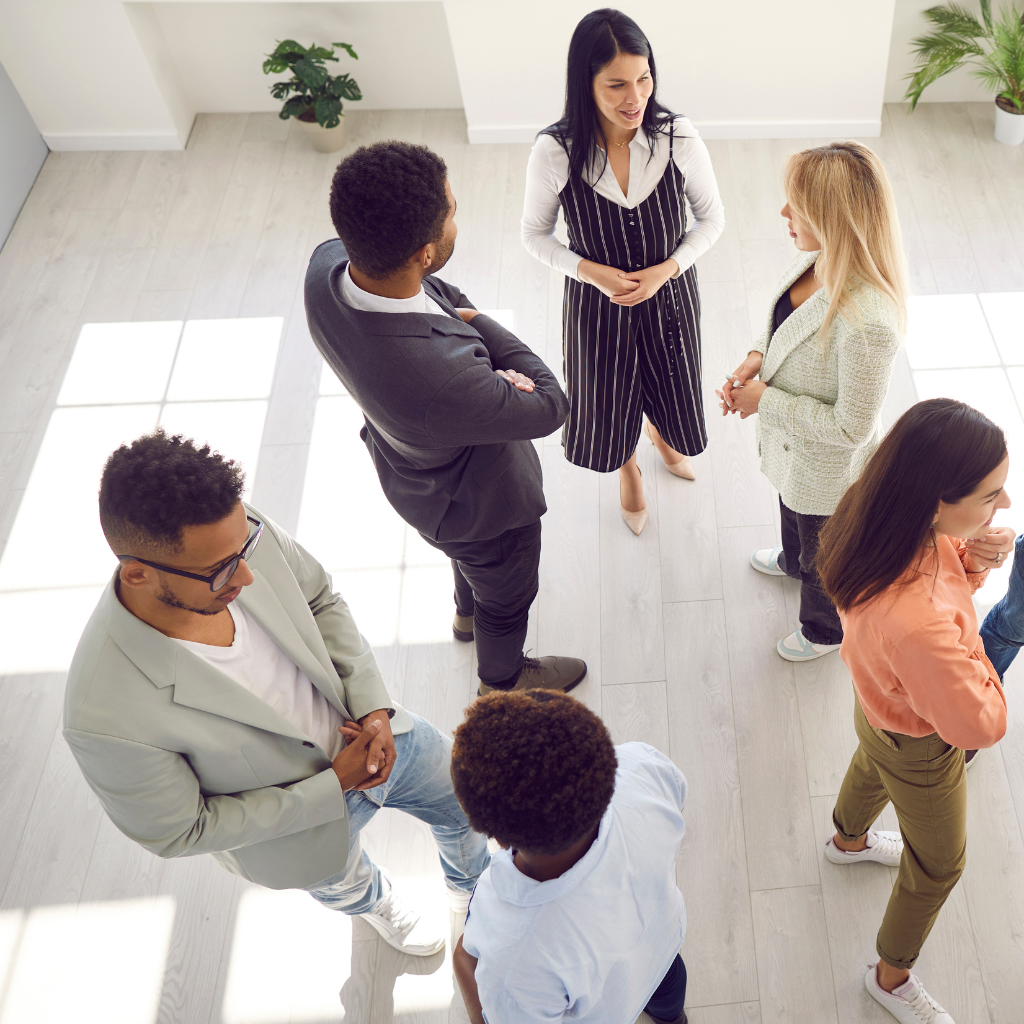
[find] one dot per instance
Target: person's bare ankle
(889, 977)
(850, 845)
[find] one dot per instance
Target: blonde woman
(823, 362)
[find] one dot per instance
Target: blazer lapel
(197, 684)
(306, 650)
(801, 323)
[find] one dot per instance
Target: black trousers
(667, 1001)
(819, 619)
(496, 581)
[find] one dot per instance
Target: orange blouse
(917, 661)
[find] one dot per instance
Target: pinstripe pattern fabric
(622, 362)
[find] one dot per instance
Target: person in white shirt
(621, 167)
(578, 916)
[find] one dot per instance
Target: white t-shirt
(548, 172)
(356, 297)
(255, 660)
(593, 944)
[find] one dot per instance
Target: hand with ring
(991, 551)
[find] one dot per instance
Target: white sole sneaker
(766, 560)
(401, 927)
(796, 647)
(886, 848)
(909, 1003)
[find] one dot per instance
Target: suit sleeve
(865, 365)
(365, 690)
(478, 407)
(153, 796)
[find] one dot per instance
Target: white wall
(737, 68)
(405, 53)
(956, 87)
(82, 73)
(104, 74)
(22, 152)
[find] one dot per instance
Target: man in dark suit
(451, 399)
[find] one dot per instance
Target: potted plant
(994, 48)
(316, 94)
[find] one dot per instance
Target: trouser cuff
(848, 836)
(900, 965)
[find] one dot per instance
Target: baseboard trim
(73, 142)
(490, 133)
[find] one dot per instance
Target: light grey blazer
(819, 420)
(187, 761)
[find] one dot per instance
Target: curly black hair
(533, 768)
(387, 201)
(157, 485)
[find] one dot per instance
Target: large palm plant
(995, 48)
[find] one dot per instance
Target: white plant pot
(325, 140)
(1009, 127)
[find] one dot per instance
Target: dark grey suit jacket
(451, 440)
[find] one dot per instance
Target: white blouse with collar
(548, 172)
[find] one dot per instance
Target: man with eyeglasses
(222, 701)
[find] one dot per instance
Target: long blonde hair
(842, 193)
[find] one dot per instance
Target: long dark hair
(938, 450)
(597, 40)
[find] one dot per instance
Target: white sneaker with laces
(883, 848)
(458, 903)
(402, 927)
(796, 647)
(766, 560)
(909, 1003)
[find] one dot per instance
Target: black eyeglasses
(222, 573)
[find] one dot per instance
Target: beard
(444, 250)
(167, 597)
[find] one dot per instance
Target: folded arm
(865, 365)
(153, 796)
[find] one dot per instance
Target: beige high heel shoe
(636, 521)
(683, 468)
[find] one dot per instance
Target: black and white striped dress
(624, 362)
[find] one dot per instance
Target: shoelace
(532, 665)
(883, 844)
(922, 1003)
(394, 913)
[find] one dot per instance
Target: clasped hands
(741, 393)
(627, 288)
(368, 757)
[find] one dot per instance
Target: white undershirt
(548, 172)
(421, 302)
(255, 660)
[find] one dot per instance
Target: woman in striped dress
(621, 168)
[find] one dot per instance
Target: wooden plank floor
(678, 631)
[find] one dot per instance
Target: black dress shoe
(462, 628)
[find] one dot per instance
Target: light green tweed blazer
(186, 761)
(819, 420)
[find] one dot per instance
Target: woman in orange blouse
(909, 544)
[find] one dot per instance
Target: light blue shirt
(593, 944)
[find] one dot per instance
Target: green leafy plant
(995, 48)
(316, 94)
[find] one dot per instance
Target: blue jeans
(420, 784)
(1003, 628)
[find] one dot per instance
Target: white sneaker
(883, 848)
(402, 927)
(909, 1003)
(766, 560)
(458, 903)
(796, 647)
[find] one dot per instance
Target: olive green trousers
(925, 778)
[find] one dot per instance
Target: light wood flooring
(678, 630)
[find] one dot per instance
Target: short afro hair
(157, 485)
(533, 768)
(387, 201)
